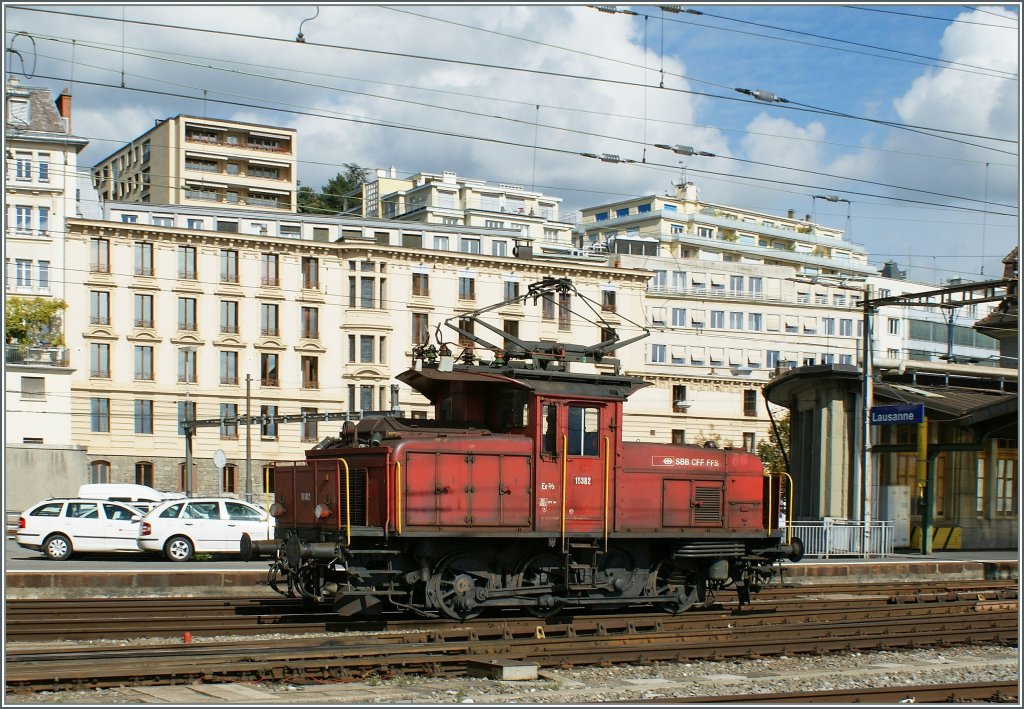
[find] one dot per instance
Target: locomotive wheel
(543, 569)
(620, 575)
(677, 582)
(459, 582)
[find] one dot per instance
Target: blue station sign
(900, 413)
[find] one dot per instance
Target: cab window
(583, 430)
(550, 423)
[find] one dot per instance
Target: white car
(60, 527)
(204, 525)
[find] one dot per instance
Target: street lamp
(833, 198)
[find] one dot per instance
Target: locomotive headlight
(277, 509)
(322, 511)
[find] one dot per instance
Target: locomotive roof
(435, 384)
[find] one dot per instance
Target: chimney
(790, 214)
(64, 108)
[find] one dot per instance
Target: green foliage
(34, 322)
(770, 453)
(331, 197)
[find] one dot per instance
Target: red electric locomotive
(519, 493)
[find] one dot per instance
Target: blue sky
(319, 86)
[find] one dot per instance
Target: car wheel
(178, 549)
(58, 547)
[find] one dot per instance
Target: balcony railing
(45, 356)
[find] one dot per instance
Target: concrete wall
(33, 473)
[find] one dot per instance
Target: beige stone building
(39, 183)
(172, 315)
(204, 162)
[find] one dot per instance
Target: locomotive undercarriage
(460, 580)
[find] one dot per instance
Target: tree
(332, 196)
(34, 322)
(770, 453)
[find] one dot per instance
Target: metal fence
(47, 356)
(841, 537)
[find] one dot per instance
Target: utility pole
(248, 438)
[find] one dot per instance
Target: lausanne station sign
(900, 413)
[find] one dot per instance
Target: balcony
(37, 356)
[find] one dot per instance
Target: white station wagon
(205, 525)
(60, 527)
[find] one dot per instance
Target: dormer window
(18, 111)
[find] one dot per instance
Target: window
(440, 243)
(750, 402)
(583, 435)
(310, 272)
(44, 219)
(735, 321)
(680, 403)
(749, 442)
(44, 275)
(144, 474)
(143, 310)
(717, 319)
(187, 365)
(195, 223)
(678, 437)
(268, 320)
(99, 256)
(187, 263)
(23, 166)
(366, 286)
(420, 329)
(268, 270)
(564, 311)
(229, 481)
(228, 266)
(163, 221)
(309, 424)
(23, 219)
(1006, 483)
(33, 389)
(658, 354)
(499, 248)
(736, 284)
(467, 288)
(99, 359)
(99, 472)
(99, 415)
(268, 369)
(99, 307)
(310, 372)
(143, 363)
(754, 322)
(143, 258)
(187, 314)
(828, 326)
(366, 348)
(678, 317)
(228, 367)
(268, 427)
(23, 274)
(129, 218)
(894, 326)
(846, 327)
(772, 358)
(229, 317)
(421, 284)
(607, 300)
(467, 325)
(144, 416)
(548, 306)
(229, 421)
(469, 246)
(310, 323)
(511, 290)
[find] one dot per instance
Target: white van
(140, 496)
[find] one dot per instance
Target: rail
(840, 537)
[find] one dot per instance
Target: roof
(945, 402)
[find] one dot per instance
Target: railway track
(450, 649)
(992, 692)
(89, 619)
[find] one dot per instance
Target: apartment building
(204, 162)
(447, 198)
(177, 310)
(41, 163)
